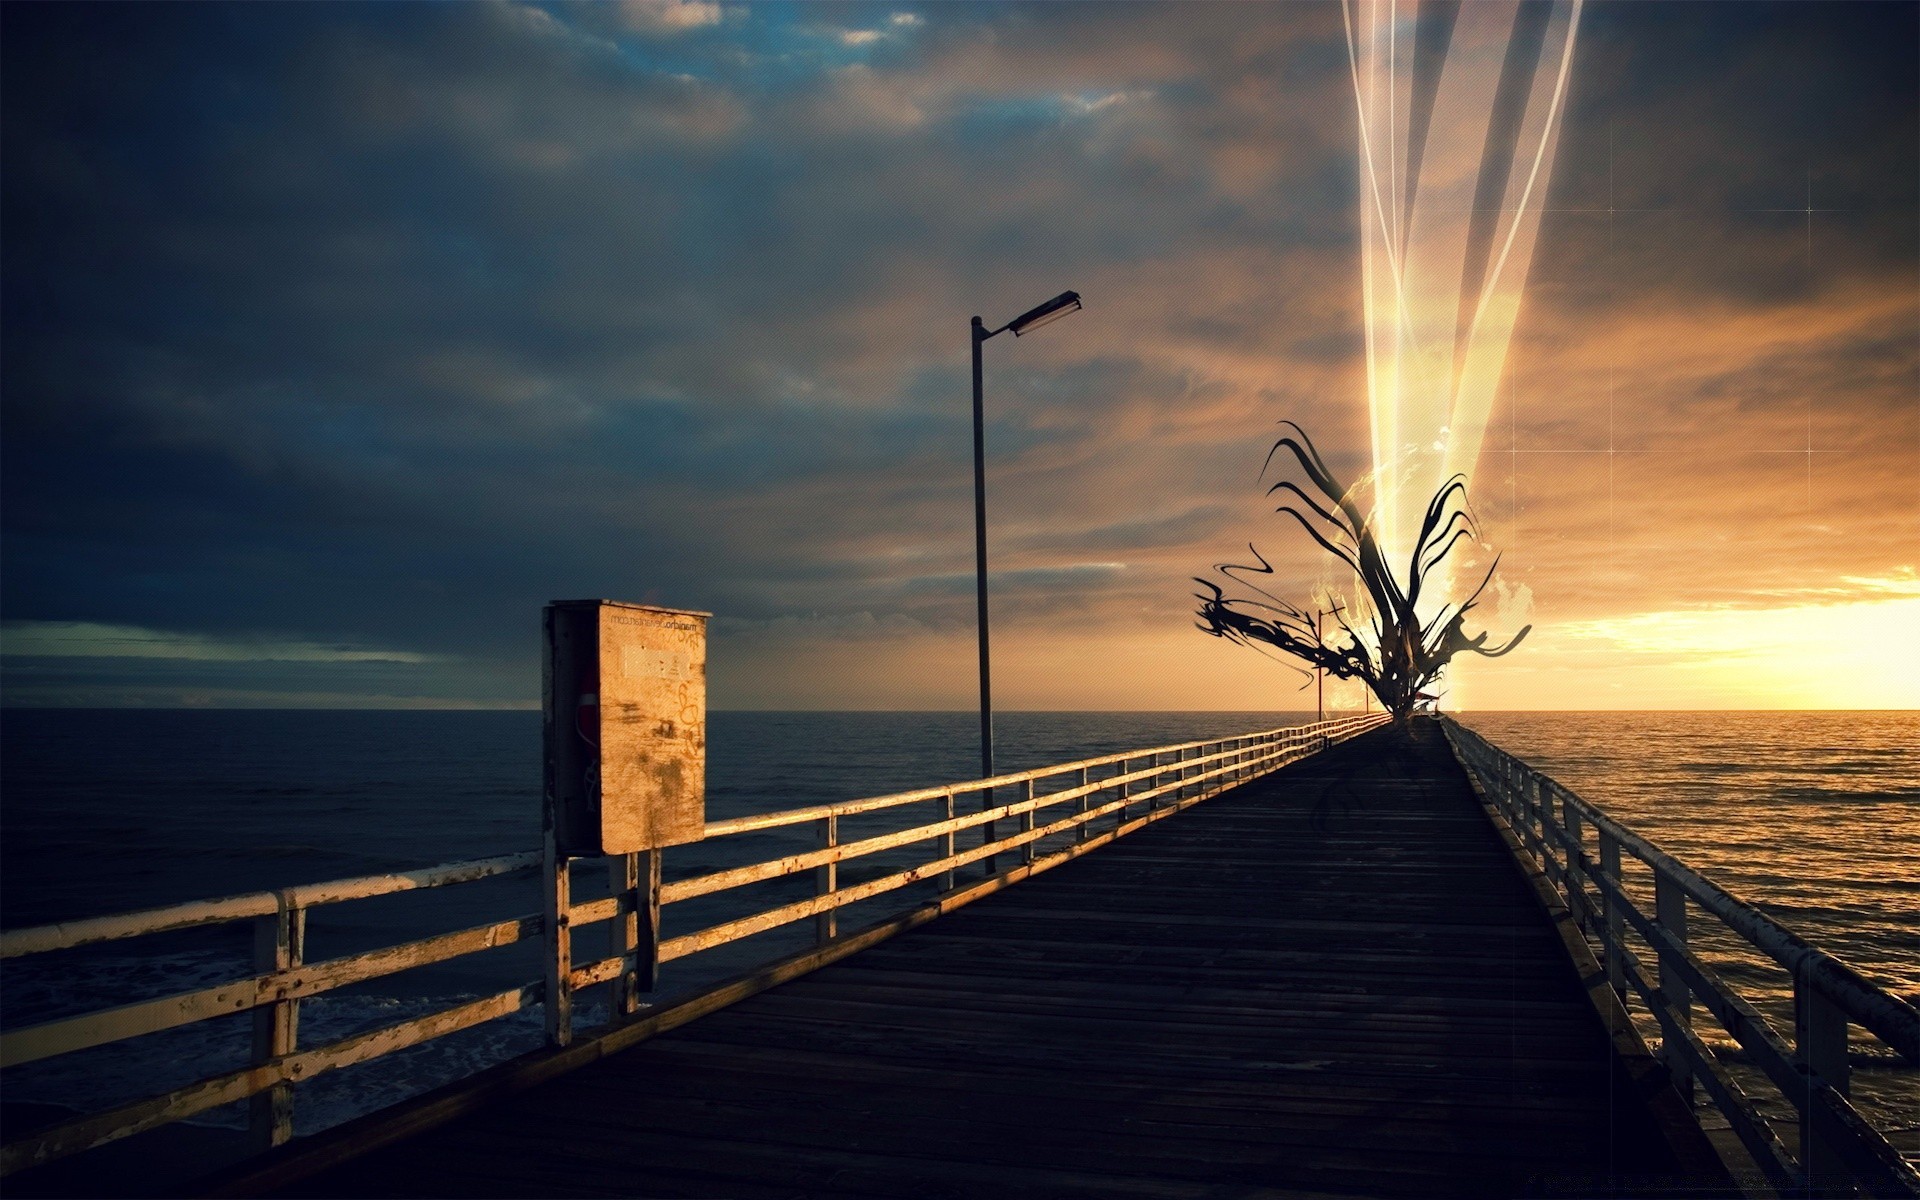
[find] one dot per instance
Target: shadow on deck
(1330, 981)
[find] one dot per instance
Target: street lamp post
(1026, 322)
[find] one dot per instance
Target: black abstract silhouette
(1386, 645)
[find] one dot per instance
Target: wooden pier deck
(1332, 980)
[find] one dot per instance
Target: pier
(1332, 960)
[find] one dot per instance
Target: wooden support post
(647, 953)
(1820, 1036)
(557, 892)
(946, 843)
(623, 932)
(1126, 790)
(1616, 922)
(1535, 792)
(826, 881)
(278, 945)
(1576, 874)
(1554, 825)
(1026, 825)
(1820, 1050)
(1670, 910)
(1537, 803)
(987, 834)
(1086, 802)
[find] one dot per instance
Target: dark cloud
(384, 324)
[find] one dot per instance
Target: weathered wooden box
(626, 726)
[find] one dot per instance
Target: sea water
(1815, 817)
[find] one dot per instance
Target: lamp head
(1045, 314)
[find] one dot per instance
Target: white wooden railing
(273, 995)
(1086, 804)
(1579, 848)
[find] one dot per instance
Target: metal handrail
(283, 976)
(1837, 1146)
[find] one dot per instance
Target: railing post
(1820, 1050)
(1543, 812)
(1610, 869)
(1537, 805)
(946, 877)
(647, 954)
(826, 881)
(1670, 910)
(1026, 825)
(623, 932)
(987, 834)
(1126, 790)
(278, 945)
(1576, 890)
(1086, 802)
(635, 932)
(1820, 1036)
(557, 894)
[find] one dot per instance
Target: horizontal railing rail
(1155, 780)
(1579, 848)
(284, 977)
(1102, 798)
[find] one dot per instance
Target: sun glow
(1859, 654)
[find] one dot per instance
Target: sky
(338, 339)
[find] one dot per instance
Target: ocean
(1815, 817)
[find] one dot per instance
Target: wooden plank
(304, 1159)
(1018, 1120)
(1227, 1033)
(780, 1068)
